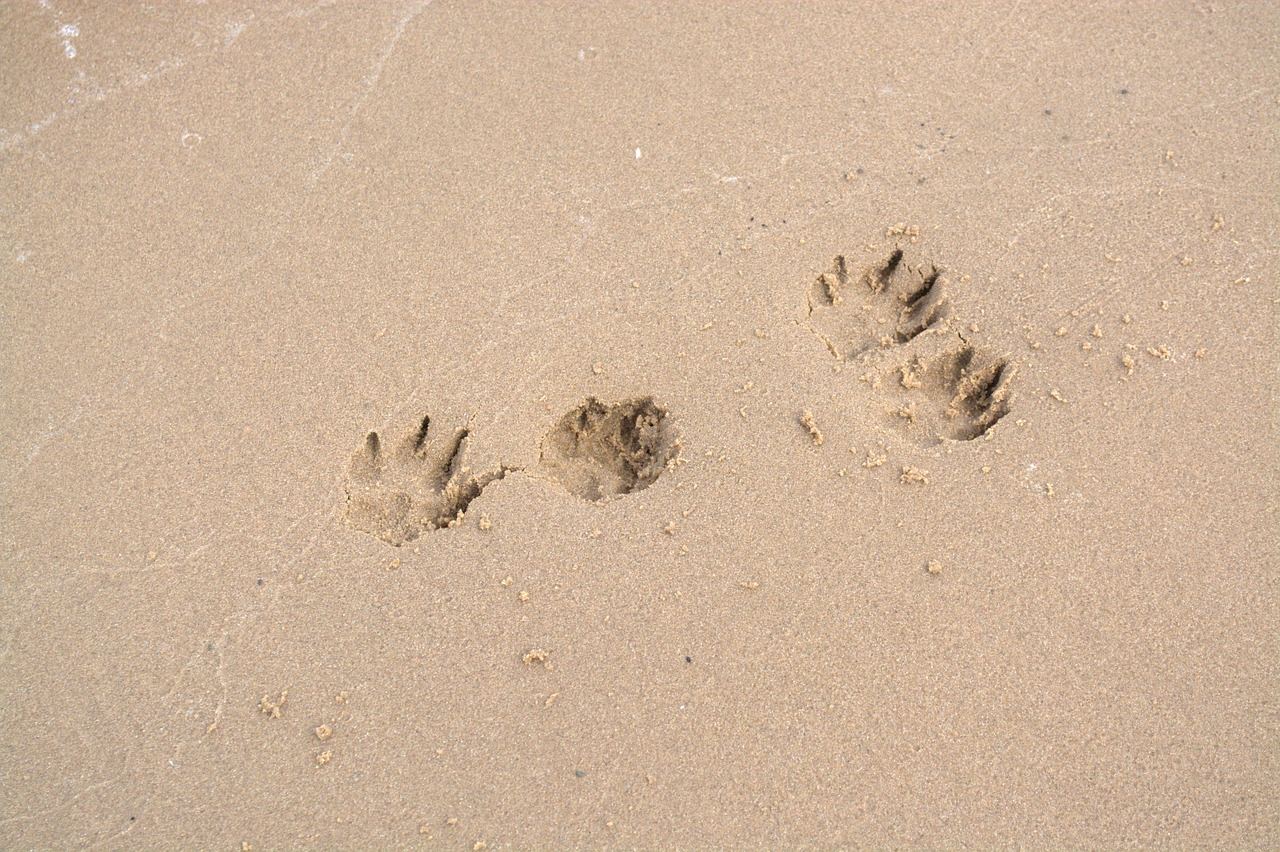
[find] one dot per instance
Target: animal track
(599, 451)
(954, 394)
(420, 483)
(896, 316)
(887, 304)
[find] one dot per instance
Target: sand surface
(922, 359)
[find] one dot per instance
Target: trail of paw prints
(417, 483)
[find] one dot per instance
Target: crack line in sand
(370, 82)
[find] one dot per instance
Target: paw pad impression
(600, 451)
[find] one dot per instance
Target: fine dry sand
(449, 426)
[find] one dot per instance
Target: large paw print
(418, 483)
(600, 452)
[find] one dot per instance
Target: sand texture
(457, 426)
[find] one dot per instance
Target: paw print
(418, 483)
(956, 394)
(887, 304)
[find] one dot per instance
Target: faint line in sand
(370, 82)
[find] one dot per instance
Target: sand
(457, 426)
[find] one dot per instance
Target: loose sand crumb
(873, 458)
(524, 597)
(914, 474)
(324, 732)
(1129, 363)
(806, 420)
(273, 708)
(324, 757)
(934, 567)
(1162, 352)
(749, 584)
(1056, 395)
(910, 378)
(902, 229)
(538, 655)
(1200, 353)
(485, 523)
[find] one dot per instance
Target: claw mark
(877, 277)
(420, 441)
(981, 396)
(924, 308)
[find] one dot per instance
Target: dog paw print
(956, 394)
(887, 304)
(417, 483)
(600, 451)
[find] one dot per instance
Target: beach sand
(451, 426)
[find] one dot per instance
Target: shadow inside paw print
(418, 483)
(887, 304)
